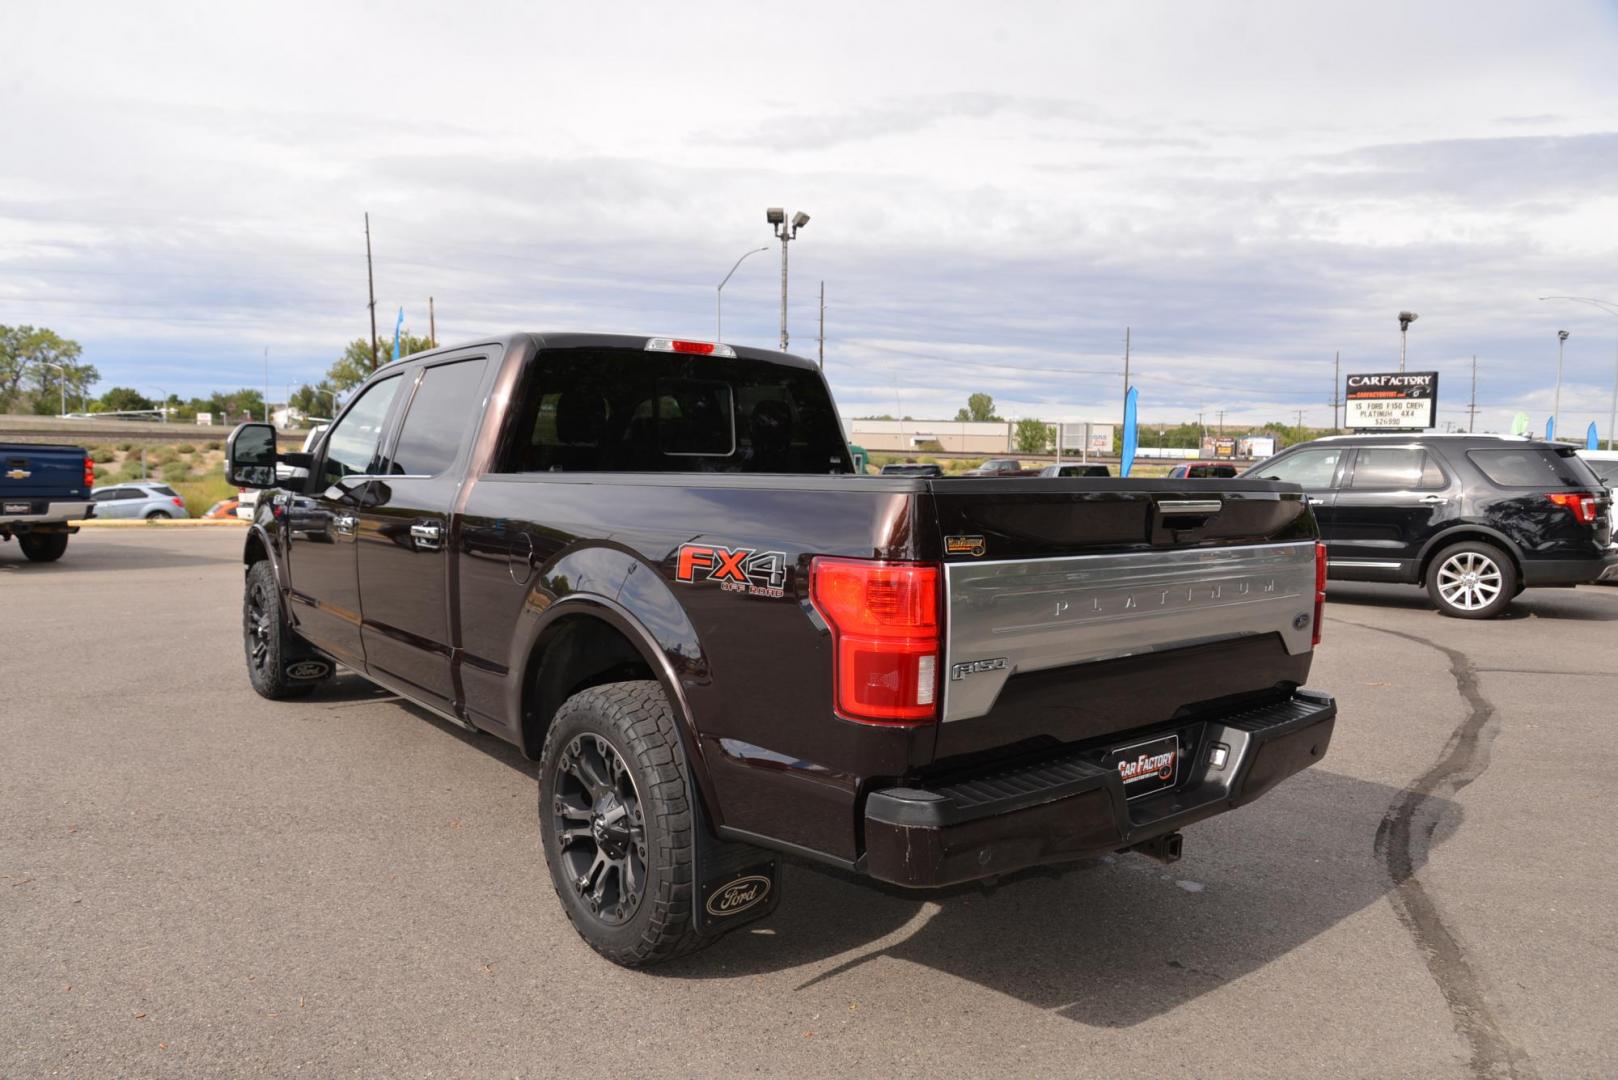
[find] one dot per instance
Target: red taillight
(1581, 504)
(1320, 588)
(179, 502)
(884, 628)
(89, 472)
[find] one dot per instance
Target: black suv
(1474, 518)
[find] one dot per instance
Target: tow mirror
(250, 456)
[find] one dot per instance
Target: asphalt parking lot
(198, 882)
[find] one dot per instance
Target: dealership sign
(1400, 401)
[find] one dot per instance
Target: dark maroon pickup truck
(649, 563)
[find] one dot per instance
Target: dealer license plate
(1148, 766)
(17, 508)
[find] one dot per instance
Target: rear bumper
(1542, 572)
(1068, 807)
(45, 512)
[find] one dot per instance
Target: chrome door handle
(1434, 500)
(428, 536)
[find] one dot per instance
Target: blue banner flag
(1590, 440)
(397, 324)
(1550, 429)
(1131, 432)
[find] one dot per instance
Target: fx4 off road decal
(740, 570)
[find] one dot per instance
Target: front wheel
(275, 665)
(42, 547)
(616, 823)
(1472, 580)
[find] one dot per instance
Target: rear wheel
(1472, 580)
(159, 515)
(42, 547)
(272, 651)
(616, 823)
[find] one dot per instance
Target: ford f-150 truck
(43, 489)
(650, 565)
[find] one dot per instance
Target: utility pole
(1472, 409)
(1221, 423)
(266, 384)
(1121, 432)
(822, 326)
(1300, 425)
(370, 288)
(1336, 387)
(432, 325)
(1201, 433)
(1556, 410)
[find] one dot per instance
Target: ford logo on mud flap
(737, 896)
(308, 669)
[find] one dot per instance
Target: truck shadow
(1109, 944)
(1593, 603)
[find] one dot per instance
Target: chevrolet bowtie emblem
(18, 474)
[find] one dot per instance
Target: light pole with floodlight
(61, 384)
(777, 217)
(719, 297)
(1405, 319)
(1556, 405)
(1611, 308)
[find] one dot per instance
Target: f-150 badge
(740, 570)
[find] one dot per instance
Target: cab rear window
(625, 410)
(1533, 467)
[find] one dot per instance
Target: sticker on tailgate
(1148, 766)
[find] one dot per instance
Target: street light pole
(61, 382)
(1556, 406)
(1405, 319)
(719, 297)
(777, 217)
(162, 403)
(1611, 308)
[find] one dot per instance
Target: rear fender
(614, 586)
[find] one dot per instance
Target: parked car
(43, 490)
(224, 508)
(1604, 463)
(911, 468)
(1069, 468)
(1203, 470)
(1001, 467)
(1474, 518)
(650, 565)
(138, 499)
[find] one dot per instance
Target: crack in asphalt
(1464, 758)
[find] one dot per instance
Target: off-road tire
(42, 547)
(1496, 586)
(635, 719)
(264, 623)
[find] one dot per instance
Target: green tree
(1033, 436)
(979, 408)
(354, 366)
(25, 355)
(124, 399)
(233, 407)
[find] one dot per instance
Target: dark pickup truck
(43, 490)
(650, 565)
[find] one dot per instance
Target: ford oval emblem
(308, 669)
(735, 897)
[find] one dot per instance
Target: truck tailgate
(41, 472)
(1082, 608)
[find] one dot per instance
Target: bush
(185, 448)
(202, 493)
(176, 472)
(100, 471)
(101, 455)
(214, 444)
(126, 446)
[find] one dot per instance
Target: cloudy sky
(996, 190)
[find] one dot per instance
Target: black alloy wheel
(600, 829)
(269, 645)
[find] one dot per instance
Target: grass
(204, 491)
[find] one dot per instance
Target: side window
(105, 495)
(352, 445)
(131, 493)
(442, 415)
(1395, 468)
(1310, 468)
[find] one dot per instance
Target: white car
(1604, 463)
(249, 496)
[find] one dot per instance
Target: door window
(130, 493)
(353, 443)
(443, 412)
(103, 496)
(1308, 468)
(1395, 468)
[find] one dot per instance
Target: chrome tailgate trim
(1012, 616)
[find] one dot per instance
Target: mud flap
(736, 883)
